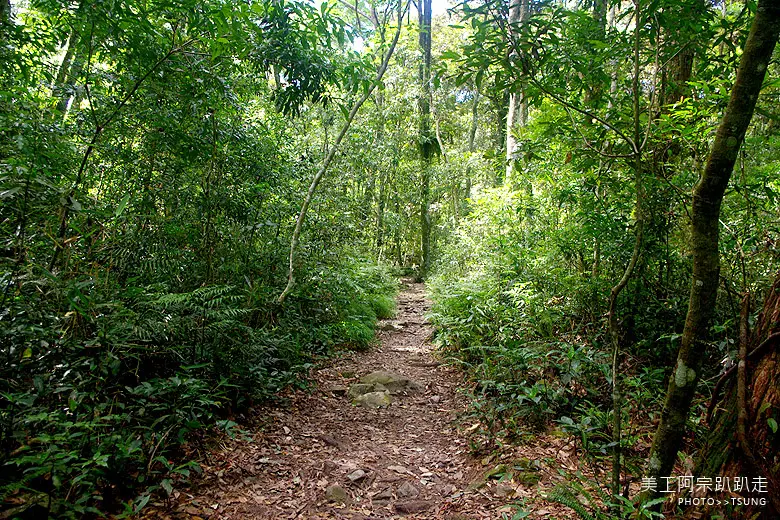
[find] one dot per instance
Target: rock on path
(323, 457)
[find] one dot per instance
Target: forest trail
(407, 460)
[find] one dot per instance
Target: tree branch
(331, 154)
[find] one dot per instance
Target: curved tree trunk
(329, 158)
(707, 199)
(722, 455)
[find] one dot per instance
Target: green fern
(564, 495)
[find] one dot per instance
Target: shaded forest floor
(322, 457)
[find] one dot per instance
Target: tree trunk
(64, 76)
(5, 12)
(474, 120)
(426, 137)
(707, 198)
(380, 216)
(680, 42)
(71, 67)
(721, 456)
(612, 321)
(500, 104)
(472, 143)
(517, 109)
(329, 158)
(594, 89)
(380, 206)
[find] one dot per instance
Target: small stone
(407, 490)
(449, 489)
(338, 390)
(373, 400)
(503, 491)
(357, 475)
(389, 326)
(395, 383)
(336, 493)
(331, 441)
(359, 389)
(413, 506)
(386, 493)
(383, 497)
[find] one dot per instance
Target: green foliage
(148, 177)
(586, 498)
(92, 416)
(521, 287)
(153, 157)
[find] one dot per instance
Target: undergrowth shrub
(110, 409)
(517, 309)
(590, 501)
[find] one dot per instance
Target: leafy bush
(110, 406)
(589, 501)
(527, 324)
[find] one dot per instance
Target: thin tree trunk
(70, 68)
(612, 323)
(472, 144)
(426, 139)
(594, 90)
(396, 231)
(474, 120)
(380, 205)
(64, 71)
(682, 42)
(329, 158)
(517, 109)
(500, 109)
(380, 215)
(707, 199)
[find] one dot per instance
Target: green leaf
(141, 501)
(167, 486)
(772, 424)
(122, 205)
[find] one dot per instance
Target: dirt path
(325, 458)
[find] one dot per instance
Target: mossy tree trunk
(707, 199)
(721, 454)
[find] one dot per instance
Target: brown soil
(415, 445)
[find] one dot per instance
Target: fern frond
(563, 494)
